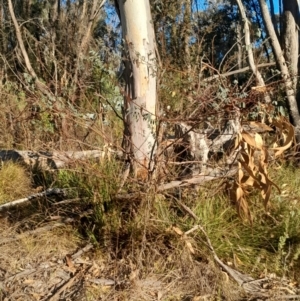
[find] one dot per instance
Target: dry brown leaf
(236, 260)
(70, 264)
(269, 181)
(177, 230)
(261, 126)
(240, 173)
(189, 246)
(266, 195)
(258, 141)
(248, 139)
(287, 132)
(287, 145)
(248, 181)
(239, 193)
(243, 209)
(260, 89)
(250, 171)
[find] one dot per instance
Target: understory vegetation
(142, 238)
(155, 238)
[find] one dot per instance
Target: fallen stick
(196, 180)
(64, 287)
(249, 284)
(81, 251)
(46, 193)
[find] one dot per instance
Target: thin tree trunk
(186, 32)
(248, 44)
(273, 17)
(140, 77)
(87, 22)
(290, 37)
(54, 19)
(41, 86)
(239, 36)
(288, 82)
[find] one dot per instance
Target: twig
(81, 251)
(187, 209)
(248, 283)
(21, 274)
(68, 284)
(242, 70)
(68, 201)
(191, 230)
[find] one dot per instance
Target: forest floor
(53, 248)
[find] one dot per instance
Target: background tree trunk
(290, 37)
(140, 77)
(248, 44)
(285, 72)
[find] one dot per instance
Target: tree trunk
(186, 35)
(248, 44)
(273, 17)
(239, 35)
(87, 21)
(286, 75)
(140, 77)
(40, 85)
(290, 37)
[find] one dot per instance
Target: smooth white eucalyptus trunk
(140, 77)
(248, 44)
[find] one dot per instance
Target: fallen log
(196, 144)
(56, 159)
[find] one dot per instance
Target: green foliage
(95, 183)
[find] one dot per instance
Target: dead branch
(83, 250)
(46, 193)
(196, 144)
(242, 70)
(249, 284)
(197, 180)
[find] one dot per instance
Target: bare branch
(242, 70)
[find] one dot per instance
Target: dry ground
(46, 253)
(45, 256)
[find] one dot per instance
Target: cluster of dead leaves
(254, 160)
